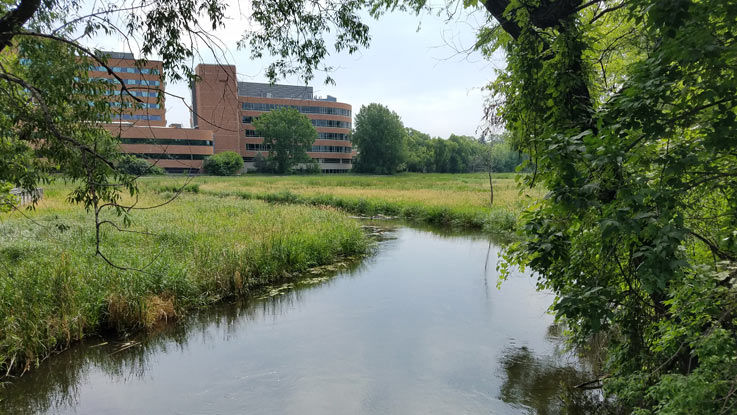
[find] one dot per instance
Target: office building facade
(227, 107)
(141, 125)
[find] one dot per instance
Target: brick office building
(227, 107)
(141, 126)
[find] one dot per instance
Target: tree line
(386, 146)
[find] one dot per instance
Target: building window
(167, 141)
(257, 147)
(136, 117)
(305, 109)
(331, 149)
(167, 156)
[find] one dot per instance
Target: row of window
(305, 109)
(331, 149)
(137, 117)
(143, 82)
(335, 161)
(315, 149)
(167, 141)
(135, 93)
(247, 119)
(139, 105)
(126, 69)
(335, 170)
(320, 136)
(331, 123)
(166, 156)
(333, 136)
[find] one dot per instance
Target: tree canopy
(380, 139)
(288, 136)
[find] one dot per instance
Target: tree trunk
(491, 191)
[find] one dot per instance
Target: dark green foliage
(226, 163)
(261, 164)
(288, 135)
(629, 117)
(380, 139)
(50, 110)
(459, 154)
(136, 166)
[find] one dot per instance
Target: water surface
(419, 328)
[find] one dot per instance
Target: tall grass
(195, 251)
(460, 200)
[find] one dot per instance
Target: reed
(458, 200)
(195, 251)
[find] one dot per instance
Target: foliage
(226, 163)
(627, 110)
(288, 135)
(51, 111)
(380, 139)
(459, 154)
(261, 164)
(136, 166)
(53, 292)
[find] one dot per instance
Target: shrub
(136, 166)
(227, 163)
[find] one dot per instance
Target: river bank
(194, 252)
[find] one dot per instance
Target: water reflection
(417, 328)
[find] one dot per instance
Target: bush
(136, 166)
(227, 163)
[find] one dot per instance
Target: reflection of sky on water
(418, 328)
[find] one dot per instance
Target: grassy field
(195, 251)
(442, 199)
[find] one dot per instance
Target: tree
(627, 111)
(419, 151)
(136, 166)
(51, 111)
(227, 163)
(380, 139)
(288, 135)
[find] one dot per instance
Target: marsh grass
(196, 251)
(460, 200)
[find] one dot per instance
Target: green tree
(636, 236)
(288, 135)
(136, 166)
(419, 151)
(227, 163)
(380, 139)
(51, 110)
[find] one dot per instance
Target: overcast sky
(419, 74)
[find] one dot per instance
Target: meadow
(195, 251)
(459, 200)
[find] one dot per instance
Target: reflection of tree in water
(56, 383)
(545, 385)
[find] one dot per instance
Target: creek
(418, 328)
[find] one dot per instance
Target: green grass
(460, 200)
(196, 251)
